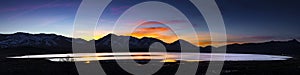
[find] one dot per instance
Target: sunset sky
(245, 20)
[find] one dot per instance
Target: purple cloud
(118, 10)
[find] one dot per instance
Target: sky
(246, 21)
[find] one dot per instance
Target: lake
(157, 56)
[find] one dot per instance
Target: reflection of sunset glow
(168, 60)
(141, 57)
(87, 62)
(192, 60)
(135, 57)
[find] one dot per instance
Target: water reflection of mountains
(25, 43)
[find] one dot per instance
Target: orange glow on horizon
(203, 40)
(166, 35)
(161, 33)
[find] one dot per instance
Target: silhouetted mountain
(135, 44)
(20, 39)
(57, 43)
(290, 47)
(49, 43)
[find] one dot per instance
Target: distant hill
(25, 43)
(291, 47)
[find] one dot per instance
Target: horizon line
(136, 38)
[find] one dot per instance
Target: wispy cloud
(153, 29)
(118, 10)
(52, 20)
(166, 22)
(27, 8)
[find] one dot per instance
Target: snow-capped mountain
(58, 42)
(33, 40)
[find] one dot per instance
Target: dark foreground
(44, 67)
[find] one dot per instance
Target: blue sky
(245, 20)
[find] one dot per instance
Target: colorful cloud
(162, 33)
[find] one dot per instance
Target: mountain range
(25, 43)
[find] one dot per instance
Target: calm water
(162, 56)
